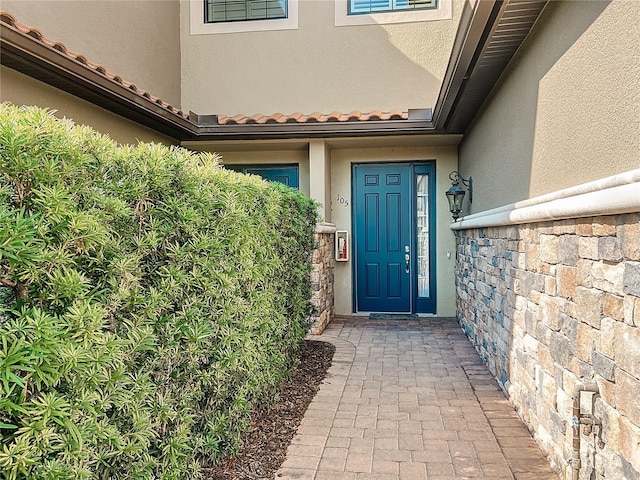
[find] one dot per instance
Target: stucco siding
(566, 112)
(20, 89)
(136, 39)
(318, 67)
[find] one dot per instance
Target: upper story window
(358, 7)
(243, 10)
(380, 12)
(208, 17)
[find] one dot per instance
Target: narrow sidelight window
(423, 235)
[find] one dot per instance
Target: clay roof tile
(295, 118)
(236, 120)
(375, 115)
(313, 117)
(254, 119)
(60, 47)
(398, 115)
(300, 118)
(274, 118)
(243, 119)
(35, 33)
(6, 17)
(332, 117)
(354, 116)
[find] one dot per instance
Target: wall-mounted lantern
(455, 195)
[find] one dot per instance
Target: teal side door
(394, 237)
(286, 174)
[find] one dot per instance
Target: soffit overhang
(489, 34)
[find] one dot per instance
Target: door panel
(394, 280)
(372, 213)
(382, 202)
(394, 213)
(372, 284)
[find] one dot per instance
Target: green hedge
(148, 299)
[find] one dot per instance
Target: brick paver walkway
(409, 400)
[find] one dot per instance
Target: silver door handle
(407, 257)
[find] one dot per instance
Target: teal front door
(393, 237)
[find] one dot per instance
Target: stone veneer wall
(322, 278)
(547, 304)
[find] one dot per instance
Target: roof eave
(20, 52)
(476, 64)
(472, 24)
(474, 68)
(314, 130)
(34, 58)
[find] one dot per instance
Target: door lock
(407, 257)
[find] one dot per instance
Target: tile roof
(73, 72)
(8, 19)
(465, 87)
(316, 117)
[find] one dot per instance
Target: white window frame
(444, 11)
(199, 27)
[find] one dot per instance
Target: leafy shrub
(148, 299)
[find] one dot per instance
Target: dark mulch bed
(273, 427)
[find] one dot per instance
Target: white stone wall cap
(326, 227)
(608, 196)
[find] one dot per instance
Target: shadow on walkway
(409, 400)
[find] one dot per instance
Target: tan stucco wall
(138, 40)
(446, 160)
(20, 89)
(318, 67)
(566, 112)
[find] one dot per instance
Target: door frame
(418, 167)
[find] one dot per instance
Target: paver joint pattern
(409, 400)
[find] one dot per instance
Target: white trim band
(325, 227)
(608, 196)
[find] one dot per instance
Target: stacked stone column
(322, 277)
